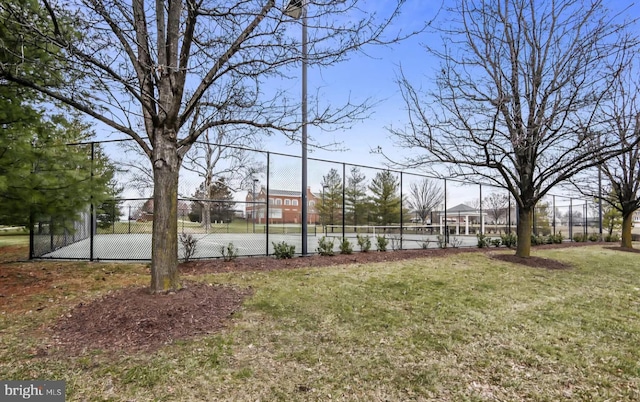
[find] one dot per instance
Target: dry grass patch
(464, 327)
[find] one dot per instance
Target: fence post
(586, 221)
(401, 212)
(266, 219)
(571, 218)
(344, 185)
(446, 223)
(92, 218)
(481, 215)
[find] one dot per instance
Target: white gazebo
(461, 215)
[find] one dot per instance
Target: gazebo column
(466, 224)
(441, 232)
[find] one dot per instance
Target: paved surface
(138, 246)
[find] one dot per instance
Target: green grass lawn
(13, 236)
(460, 328)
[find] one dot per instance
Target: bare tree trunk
(626, 230)
(164, 252)
(524, 232)
(206, 211)
(206, 216)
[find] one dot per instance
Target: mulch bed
(132, 319)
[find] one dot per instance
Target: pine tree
(356, 198)
(385, 199)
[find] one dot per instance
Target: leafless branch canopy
(519, 93)
(424, 197)
(156, 64)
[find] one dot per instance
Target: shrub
(496, 242)
(345, 246)
(325, 246)
(594, 237)
(189, 244)
(364, 242)
(456, 242)
(556, 238)
(229, 252)
(483, 240)
(612, 237)
(381, 243)
(509, 239)
(283, 251)
(425, 244)
(579, 237)
(442, 241)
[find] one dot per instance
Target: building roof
(285, 193)
(462, 208)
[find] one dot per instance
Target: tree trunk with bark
(164, 253)
(627, 220)
(525, 215)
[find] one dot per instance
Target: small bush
(537, 240)
(283, 251)
(557, 238)
(364, 242)
(325, 246)
(579, 237)
(189, 244)
(442, 241)
(229, 252)
(425, 244)
(483, 240)
(496, 242)
(456, 242)
(612, 238)
(594, 237)
(509, 240)
(381, 243)
(345, 246)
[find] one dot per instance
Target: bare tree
(622, 171)
(222, 156)
(496, 205)
(133, 64)
(424, 197)
(520, 86)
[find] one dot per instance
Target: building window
(295, 203)
(311, 203)
(278, 201)
(287, 202)
(270, 201)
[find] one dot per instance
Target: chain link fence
(260, 206)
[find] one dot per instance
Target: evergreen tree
(330, 206)
(108, 212)
(215, 206)
(385, 201)
(46, 179)
(356, 198)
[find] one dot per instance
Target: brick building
(284, 206)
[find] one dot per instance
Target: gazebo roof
(462, 208)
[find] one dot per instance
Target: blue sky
(368, 76)
(372, 75)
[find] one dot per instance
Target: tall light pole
(297, 9)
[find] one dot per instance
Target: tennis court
(131, 247)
